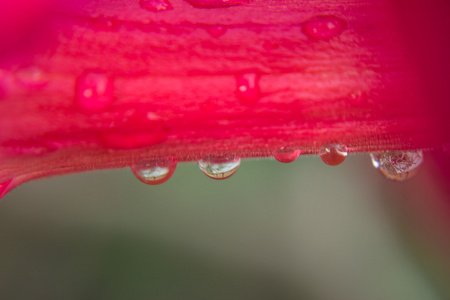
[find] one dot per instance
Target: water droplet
(216, 3)
(4, 188)
(334, 154)
(219, 167)
(156, 5)
(323, 27)
(248, 89)
(286, 155)
(31, 77)
(216, 31)
(398, 165)
(155, 171)
(94, 91)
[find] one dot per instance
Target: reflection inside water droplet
(286, 155)
(154, 172)
(398, 165)
(334, 154)
(219, 167)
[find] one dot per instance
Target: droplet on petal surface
(323, 27)
(156, 5)
(215, 3)
(154, 172)
(219, 167)
(216, 31)
(334, 154)
(248, 89)
(94, 91)
(286, 155)
(398, 165)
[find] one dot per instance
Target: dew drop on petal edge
(323, 27)
(216, 31)
(215, 3)
(219, 167)
(286, 155)
(398, 165)
(94, 91)
(156, 5)
(248, 90)
(154, 172)
(334, 154)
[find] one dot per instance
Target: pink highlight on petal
(5, 188)
(31, 77)
(136, 135)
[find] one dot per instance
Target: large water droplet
(31, 77)
(323, 27)
(398, 165)
(248, 89)
(215, 3)
(155, 171)
(286, 155)
(4, 187)
(334, 154)
(94, 91)
(156, 5)
(217, 167)
(216, 31)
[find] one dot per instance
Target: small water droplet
(156, 5)
(94, 91)
(31, 77)
(4, 188)
(219, 167)
(286, 155)
(248, 89)
(333, 154)
(154, 172)
(215, 3)
(323, 27)
(398, 165)
(216, 31)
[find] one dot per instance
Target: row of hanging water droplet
(395, 165)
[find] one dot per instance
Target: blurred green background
(272, 231)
